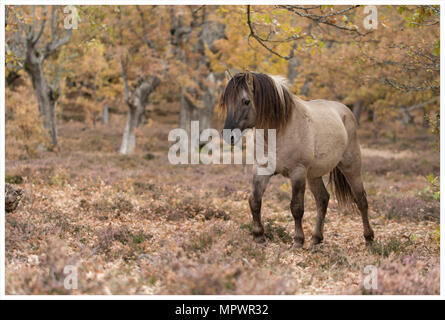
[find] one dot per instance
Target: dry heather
(138, 225)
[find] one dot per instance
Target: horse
(313, 138)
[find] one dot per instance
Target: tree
(134, 56)
(136, 101)
(141, 47)
(194, 30)
(386, 71)
(30, 47)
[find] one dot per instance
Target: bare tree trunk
(292, 66)
(138, 98)
(375, 117)
(407, 118)
(357, 109)
(105, 115)
(203, 113)
(425, 122)
(209, 101)
(197, 106)
(136, 108)
(45, 95)
(129, 138)
(305, 88)
(27, 46)
(185, 112)
(370, 116)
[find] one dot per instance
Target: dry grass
(138, 225)
(407, 275)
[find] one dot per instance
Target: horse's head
(255, 100)
(237, 102)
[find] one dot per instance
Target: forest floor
(139, 225)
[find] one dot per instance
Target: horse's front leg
(298, 180)
(259, 186)
(321, 196)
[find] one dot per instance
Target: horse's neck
(298, 128)
(301, 108)
(298, 124)
(300, 116)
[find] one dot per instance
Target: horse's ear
(249, 80)
(228, 75)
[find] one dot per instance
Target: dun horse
(313, 138)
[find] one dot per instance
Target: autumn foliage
(132, 223)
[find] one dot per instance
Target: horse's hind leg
(355, 181)
(259, 186)
(298, 179)
(350, 166)
(321, 196)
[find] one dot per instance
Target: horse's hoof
(298, 244)
(259, 239)
(316, 240)
(314, 246)
(369, 236)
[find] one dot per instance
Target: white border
(198, 297)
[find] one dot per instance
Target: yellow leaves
(437, 233)
(28, 20)
(96, 75)
(286, 28)
(286, 188)
(10, 28)
(149, 123)
(222, 10)
(11, 58)
(238, 52)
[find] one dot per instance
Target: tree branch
(259, 40)
(53, 21)
(42, 27)
(422, 104)
(405, 87)
(144, 38)
(29, 29)
(55, 42)
(324, 18)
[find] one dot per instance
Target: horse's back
(334, 127)
(333, 113)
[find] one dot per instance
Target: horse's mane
(272, 98)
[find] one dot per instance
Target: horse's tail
(341, 188)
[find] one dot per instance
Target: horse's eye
(246, 102)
